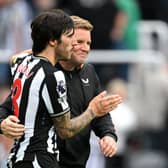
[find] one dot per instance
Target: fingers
(13, 118)
(11, 128)
(95, 103)
(102, 94)
(112, 99)
(109, 103)
(104, 103)
(12, 122)
(108, 146)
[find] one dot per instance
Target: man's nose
(85, 47)
(74, 41)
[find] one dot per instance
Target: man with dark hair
(39, 96)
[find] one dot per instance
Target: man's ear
(53, 43)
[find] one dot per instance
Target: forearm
(6, 108)
(4, 113)
(73, 126)
(104, 126)
(99, 106)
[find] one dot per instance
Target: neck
(50, 55)
(67, 65)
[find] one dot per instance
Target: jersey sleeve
(104, 126)
(54, 94)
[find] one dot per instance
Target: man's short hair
(80, 23)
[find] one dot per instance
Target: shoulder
(59, 75)
(53, 73)
(17, 58)
(88, 70)
(52, 70)
(14, 58)
(88, 67)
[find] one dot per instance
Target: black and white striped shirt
(38, 94)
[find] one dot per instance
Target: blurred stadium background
(129, 43)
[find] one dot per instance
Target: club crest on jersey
(61, 87)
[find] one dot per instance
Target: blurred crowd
(142, 120)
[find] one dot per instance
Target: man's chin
(82, 61)
(67, 58)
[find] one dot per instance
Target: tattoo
(91, 113)
(66, 127)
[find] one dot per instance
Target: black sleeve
(104, 126)
(6, 109)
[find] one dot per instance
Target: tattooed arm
(99, 106)
(67, 127)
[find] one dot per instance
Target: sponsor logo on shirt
(85, 81)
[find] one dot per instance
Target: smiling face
(81, 43)
(81, 46)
